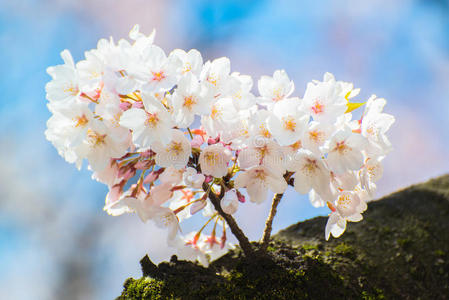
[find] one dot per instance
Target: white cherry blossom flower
(222, 116)
(258, 126)
(214, 160)
(335, 225)
(315, 136)
(176, 153)
(324, 101)
(164, 218)
(237, 133)
(257, 180)
(371, 172)
(345, 151)
(216, 75)
(101, 144)
(274, 89)
(64, 84)
(242, 96)
(148, 125)
(348, 207)
(171, 176)
(157, 72)
(230, 203)
(374, 126)
(189, 99)
(192, 178)
(347, 88)
(310, 173)
(192, 62)
(68, 125)
(90, 71)
(267, 153)
(288, 122)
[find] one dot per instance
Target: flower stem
(268, 224)
(235, 229)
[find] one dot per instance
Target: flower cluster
(172, 136)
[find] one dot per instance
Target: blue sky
(398, 50)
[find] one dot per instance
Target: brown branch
(235, 229)
(268, 224)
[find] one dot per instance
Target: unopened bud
(230, 202)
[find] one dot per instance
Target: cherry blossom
(176, 153)
(214, 160)
(276, 88)
(173, 137)
(150, 124)
(257, 180)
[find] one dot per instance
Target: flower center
(289, 123)
(96, 139)
(152, 120)
(81, 121)
(72, 90)
(212, 79)
(175, 147)
(187, 67)
(189, 102)
(315, 136)
(341, 147)
(317, 108)
(211, 158)
(260, 174)
(310, 166)
(278, 95)
(264, 131)
(215, 112)
(296, 146)
(158, 76)
(344, 201)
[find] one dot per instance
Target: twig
(268, 224)
(235, 229)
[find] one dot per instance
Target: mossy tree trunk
(399, 251)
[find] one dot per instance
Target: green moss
(404, 243)
(439, 252)
(309, 247)
(399, 251)
(144, 288)
(345, 250)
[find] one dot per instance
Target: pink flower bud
(151, 177)
(128, 174)
(211, 141)
(146, 153)
(197, 141)
(142, 165)
(137, 105)
(197, 206)
(125, 106)
(240, 197)
(223, 240)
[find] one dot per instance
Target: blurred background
(55, 240)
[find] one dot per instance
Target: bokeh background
(55, 240)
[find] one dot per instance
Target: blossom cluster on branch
(172, 136)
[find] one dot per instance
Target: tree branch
(268, 224)
(235, 229)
